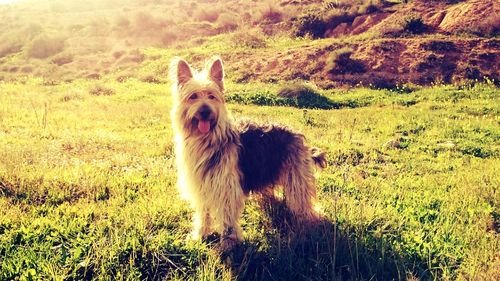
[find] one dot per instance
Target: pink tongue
(204, 126)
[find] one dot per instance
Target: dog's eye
(193, 96)
(211, 97)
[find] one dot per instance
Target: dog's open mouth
(203, 126)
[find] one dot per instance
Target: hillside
(388, 43)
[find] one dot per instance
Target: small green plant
(310, 24)
(368, 7)
(204, 14)
(340, 62)
(227, 22)
(305, 96)
(44, 46)
(10, 45)
(249, 38)
(413, 24)
(99, 90)
(62, 58)
(150, 79)
(271, 15)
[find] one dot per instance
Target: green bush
(305, 96)
(99, 90)
(262, 98)
(150, 79)
(368, 7)
(210, 15)
(271, 15)
(249, 38)
(227, 23)
(413, 24)
(62, 58)
(340, 62)
(44, 46)
(310, 24)
(335, 17)
(296, 95)
(10, 46)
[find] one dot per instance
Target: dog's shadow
(322, 251)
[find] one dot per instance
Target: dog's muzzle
(204, 112)
(204, 115)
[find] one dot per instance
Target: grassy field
(87, 175)
(87, 186)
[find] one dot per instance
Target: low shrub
(118, 54)
(368, 7)
(439, 46)
(168, 37)
(476, 150)
(335, 17)
(99, 90)
(271, 15)
(136, 56)
(264, 98)
(151, 79)
(93, 76)
(413, 24)
(204, 14)
(26, 69)
(124, 77)
(10, 46)
(249, 38)
(310, 24)
(62, 58)
(227, 23)
(305, 96)
(44, 46)
(296, 95)
(340, 62)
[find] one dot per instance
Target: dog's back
(264, 153)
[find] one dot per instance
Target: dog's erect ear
(216, 72)
(180, 71)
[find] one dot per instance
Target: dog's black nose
(204, 112)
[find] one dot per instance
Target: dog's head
(198, 97)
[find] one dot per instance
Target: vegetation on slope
(64, 40)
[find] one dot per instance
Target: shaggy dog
(221, 162)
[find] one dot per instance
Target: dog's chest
(213, 161)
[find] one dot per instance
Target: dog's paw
(211, 238)
(227, 244)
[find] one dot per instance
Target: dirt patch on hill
(473, 16)
(477, 16)
(386, 62)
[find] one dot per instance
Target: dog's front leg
(202, 223)
(229, 215)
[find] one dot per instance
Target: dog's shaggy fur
(221, 162)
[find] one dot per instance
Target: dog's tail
(319, 157)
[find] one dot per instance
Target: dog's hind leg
(298, 183)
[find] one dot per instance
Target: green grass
(87, 187)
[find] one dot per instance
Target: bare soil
(388, 62)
